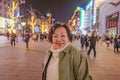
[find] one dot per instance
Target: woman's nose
(59, 38)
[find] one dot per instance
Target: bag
(87, 43)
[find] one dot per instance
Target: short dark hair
(58, 25)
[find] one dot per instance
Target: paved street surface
(17, 63)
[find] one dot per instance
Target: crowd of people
(89, 42)
(85, 40)
(115, 41)
(26, 36)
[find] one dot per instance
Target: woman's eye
(55, 36)
(62, 35)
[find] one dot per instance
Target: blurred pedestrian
(34, 37)
(92, 43)
(13, 36)
(82, 40)
(27, 37)
(41, 37)
(116, 43)
(7, 34)
(107, 40)
(64, 61)
(37, 36)
(86, 41)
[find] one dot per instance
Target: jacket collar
(63, 51)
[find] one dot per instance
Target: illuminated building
(7, 11)
(88, 16)
(109, 18)
(82, 20)
(5, 24)
(92, 15)
(3, 9)
(77, 21)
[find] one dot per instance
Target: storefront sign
(112, 20)
(87, 28)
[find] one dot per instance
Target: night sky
(61, 10)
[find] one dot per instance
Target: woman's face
(60, 38)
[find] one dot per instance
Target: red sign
(112, 20)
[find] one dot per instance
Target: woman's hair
(56, 26)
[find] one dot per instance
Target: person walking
(64, 61)
(27, 37)
(116, 44)
(8, 35)
(107, 40)
(86, 41)
(92, 43)
(82, 40)
(13, 36)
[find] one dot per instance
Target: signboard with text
(112, 20)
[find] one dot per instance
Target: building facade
(109, 18)
(88, 16)
(5, 18)
(3, 8)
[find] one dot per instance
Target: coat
(72, 65)
(13, 36)
(92, 41)
(27, 37)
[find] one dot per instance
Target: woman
(64, 62)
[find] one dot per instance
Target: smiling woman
(64, 61)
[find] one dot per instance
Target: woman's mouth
(60, 44)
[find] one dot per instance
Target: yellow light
(23, 23)
(32, 22)
(11, 12)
